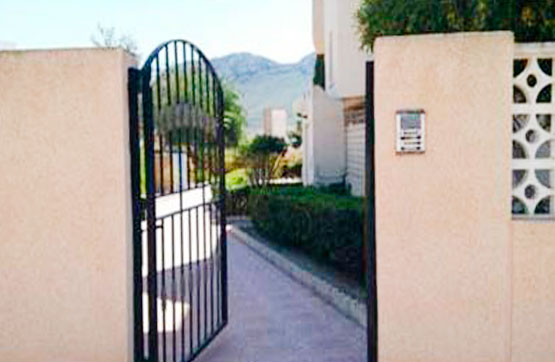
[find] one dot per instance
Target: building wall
(444, 249)
(344, 59)
(65, 249)
(330, 36)
(334, 35)
(318, 26)
(308, 153)
(275, 122)
(324, 148)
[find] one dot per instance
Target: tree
(530, 20)
(296, 136)
(319, 71)
(234, 113)
(262, 158)
(234, 116)
(106, 37)
(193, 135)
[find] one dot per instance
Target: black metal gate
(177, 167)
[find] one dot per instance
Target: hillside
(265, 83)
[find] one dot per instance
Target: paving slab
(272, 318)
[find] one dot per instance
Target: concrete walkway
(275, 319)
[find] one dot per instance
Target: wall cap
(441, 36)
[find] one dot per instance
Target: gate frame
(136, 207)
(139, 79)
(139, 83)
(369, 241)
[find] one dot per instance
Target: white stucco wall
(275, 122)
(308, 153)
(324, 150)
(344, 59)
(335, 35)
(318, 26)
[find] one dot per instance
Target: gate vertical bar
(217, 216)
(134, 145)
(221, 172)
(370, 222)
(210, 133)
(151, 215)
(203, 176)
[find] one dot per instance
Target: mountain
(265, 83)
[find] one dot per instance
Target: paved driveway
(275, 319)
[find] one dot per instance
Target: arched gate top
(193, 48)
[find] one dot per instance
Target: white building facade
(333, 133)
(275, 122)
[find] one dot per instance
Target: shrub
(296, 135)
(294, 170)
(237, 198)
(530, 20)
(236, 179)
(262, 158)
(236, 201)
(292, 164)
(233, 159)
(340, 188)
(234, 116)
(328, 227)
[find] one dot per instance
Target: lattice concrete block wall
(533, 164)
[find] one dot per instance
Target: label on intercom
(411, 134)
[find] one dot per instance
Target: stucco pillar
(443, 217)
(65, 235)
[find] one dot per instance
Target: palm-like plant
(234, 116)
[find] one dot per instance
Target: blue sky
(278, 29)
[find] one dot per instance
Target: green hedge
(324, 225)
(237, 198)
(236, 201)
